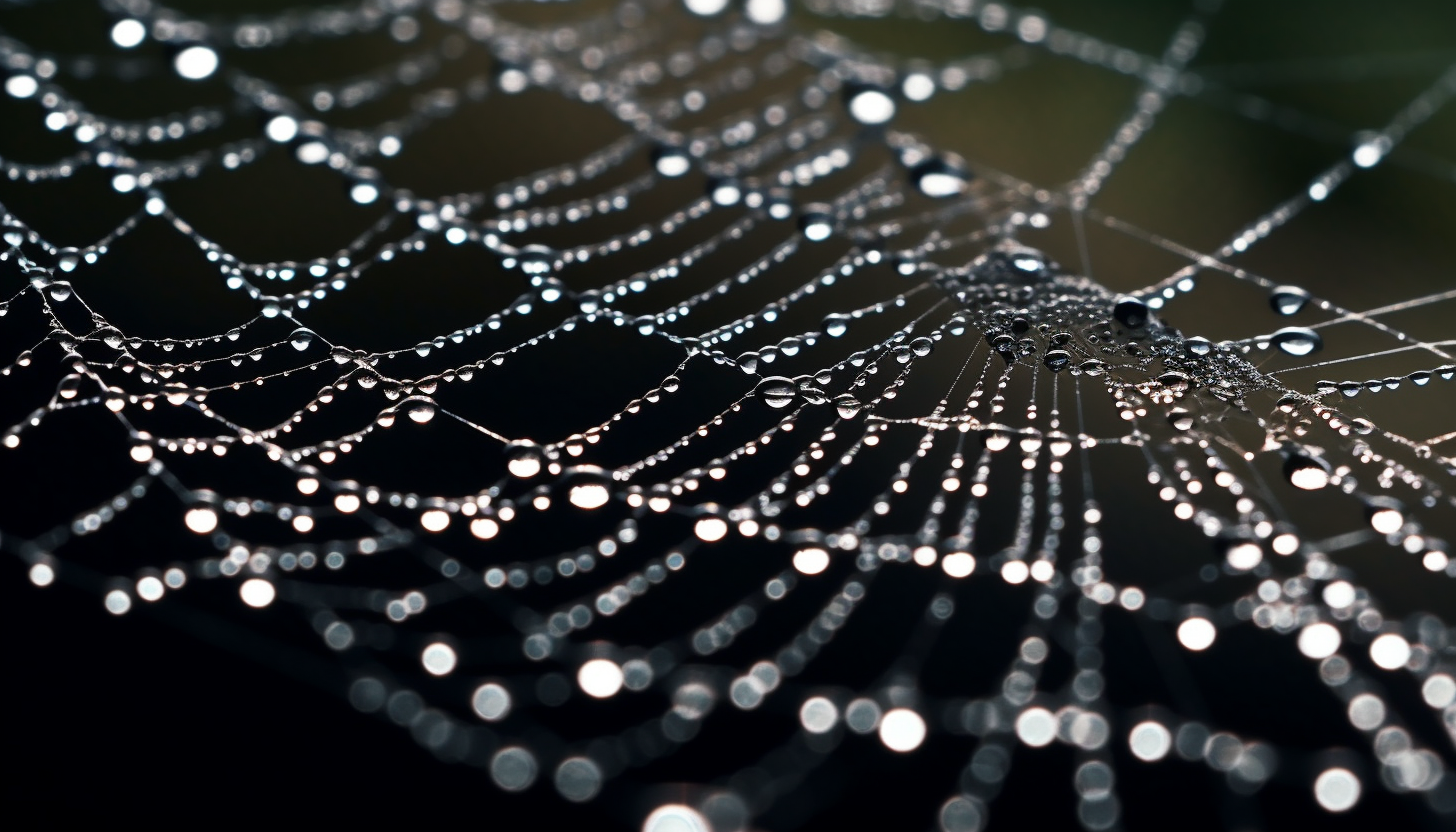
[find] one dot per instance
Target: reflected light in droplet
(257, 593)
(195, 62)
(811, 561)
(1015, 571)
(1390, 651)
(201, 519)
(818, 715)
(524, 467)
(435, 520)
(710, 529)
(705, 8)
(600, 678)
(1036, 727)
(1149, 741)
(128, 33)
(589, 496)
(491, 702)
(1196, 634)
(1244, 556)
(675, 817)
(1319, 641)
(958, 564)
(765, 12)
(1386, 520)
(872, 107)
(901, 729)
(1337, 789)
(484, 528)
(438, 658)
(282, 128)
(117, 602)
(42, 574)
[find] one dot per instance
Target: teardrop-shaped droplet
(847, 405)
(1288, 300)
(1131, 312)
(1297, 340)
(816, 222)
(301, 339)
(588, 486)
(524, 458)
(420, 409)
(836, 325)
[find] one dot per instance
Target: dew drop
(940, 177)
(1297, 340)
(195, 62)
(847, 405)
(776, 391)
(816, 222)
(1288, 300)
(870, 105)
(671, 161)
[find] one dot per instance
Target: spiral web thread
(1048, 371)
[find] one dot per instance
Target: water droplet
(1198, 346)
(537, 260)
(671, 161)
(301, 339)
(195, 62)
(1131, 312)
(836, 325)
(1181, 419)
(1288, 300)
(816, 222)
(776, 391)
(588, 486)
(1297, 340)
(870, 105)
(847, 405)
(1057, 360)
(420, 409)
(128, 33)
(524, 458)
(725, 191)
(940, 177)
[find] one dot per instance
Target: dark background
(187, 712)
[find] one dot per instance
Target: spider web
(802, 447)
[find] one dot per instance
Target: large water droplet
(870, 105)
(1130, 312)
(817, 222)
(671, 161)
(776, 391)
(940, 177)
(1288, 300)
(847, 405)
(1308, 473)
(301, 339)
(588, 486)
(524, 458)
(1297, 340)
